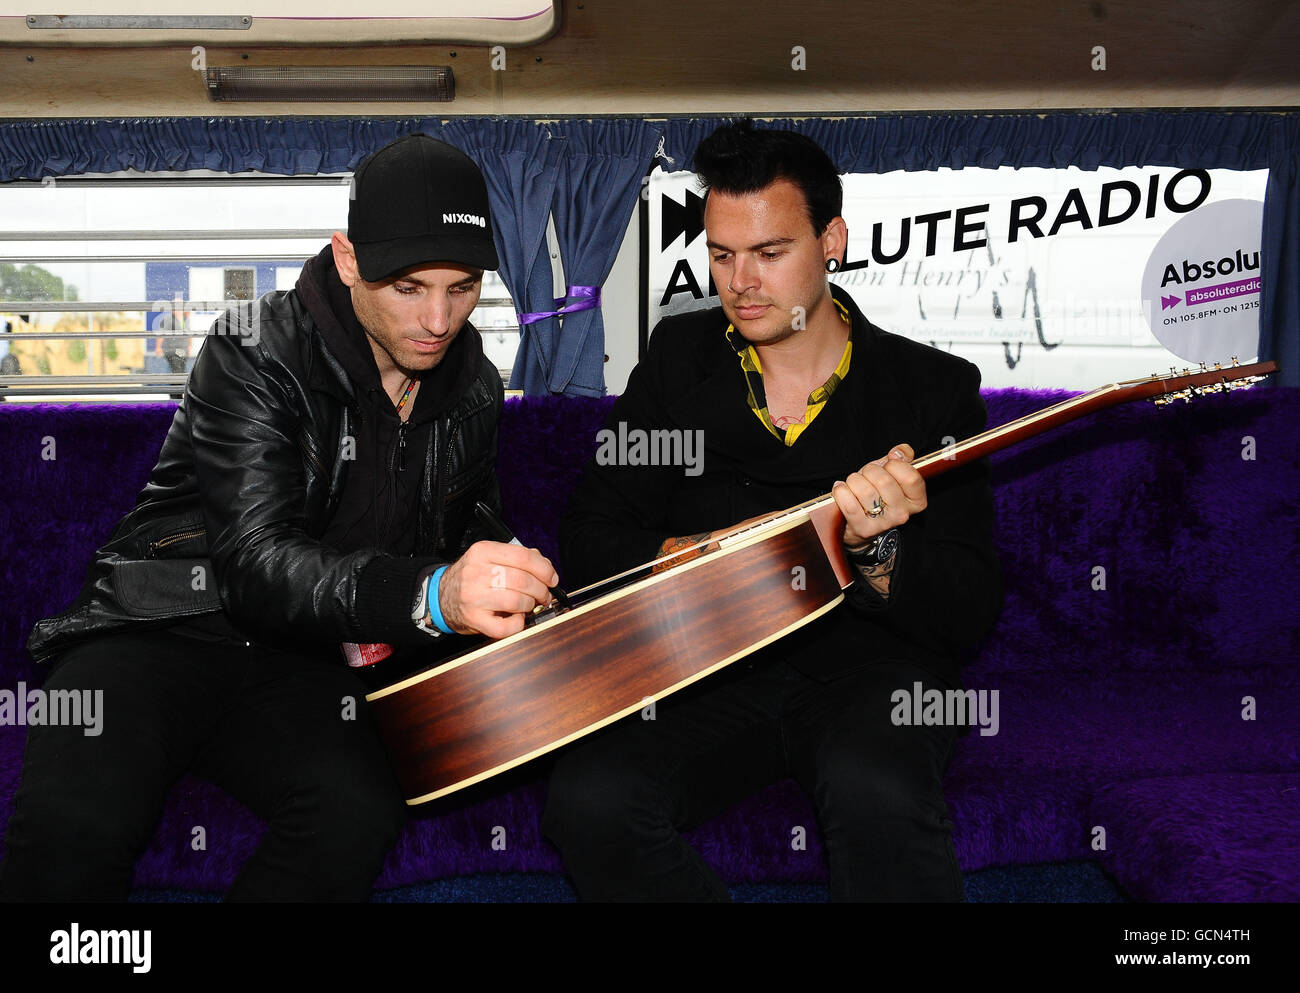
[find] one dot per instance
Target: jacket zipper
(442, 455)
(171, 538)
(438, 427)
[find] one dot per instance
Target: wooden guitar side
(510, 701)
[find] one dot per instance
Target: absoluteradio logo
(1201, 286)
(1190, 272)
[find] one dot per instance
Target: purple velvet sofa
(1152, 726)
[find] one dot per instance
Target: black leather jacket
(249, 474)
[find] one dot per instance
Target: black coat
(250, 475)
(946, 589)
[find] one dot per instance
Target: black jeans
(619, 800)
(288, 735)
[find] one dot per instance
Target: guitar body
(497, 706)
(637, 639)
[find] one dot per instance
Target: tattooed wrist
(671, 545)
(879, 577)
(677, 547)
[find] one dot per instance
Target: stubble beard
(413, 366)
(777, 333)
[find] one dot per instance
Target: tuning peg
(1168, 398)
(1203, 369)
(1234, 360)
(1243, 384)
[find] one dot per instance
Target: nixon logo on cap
(464, 219)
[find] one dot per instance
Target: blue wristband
(435, 609)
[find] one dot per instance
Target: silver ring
(877, 508)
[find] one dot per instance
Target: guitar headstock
(1166, 389)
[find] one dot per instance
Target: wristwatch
(878, 551)
(421, 611)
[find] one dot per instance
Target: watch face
(888, 545)
(422, 592)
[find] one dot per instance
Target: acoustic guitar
(641, 636)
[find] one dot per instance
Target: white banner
(1036, 275)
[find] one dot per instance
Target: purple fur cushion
(1198, 544)
(1225, 837)
(1139, 681)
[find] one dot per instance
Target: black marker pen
(498, 529)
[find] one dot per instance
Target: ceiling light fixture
(351, 84)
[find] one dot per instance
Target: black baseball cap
(417, 201)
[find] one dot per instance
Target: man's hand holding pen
(494, 587)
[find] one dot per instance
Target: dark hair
(740, 158)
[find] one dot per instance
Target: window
(110, 284)
(240, 284)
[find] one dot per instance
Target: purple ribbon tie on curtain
(588, 298)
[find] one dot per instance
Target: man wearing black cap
(315, 491)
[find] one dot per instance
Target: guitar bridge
(541, 615)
